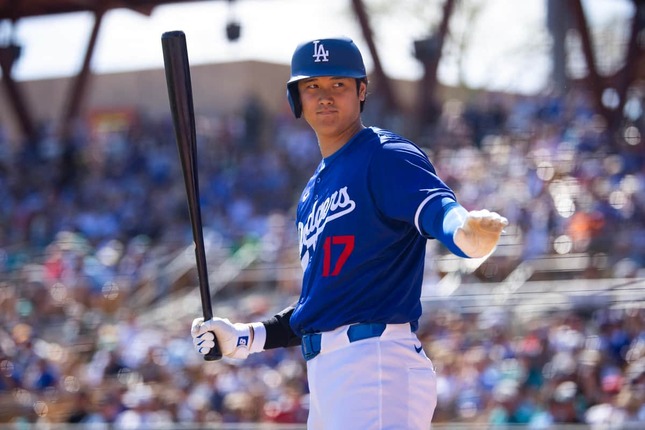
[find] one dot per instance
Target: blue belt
(311, 342)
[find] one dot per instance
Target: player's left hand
(478, 235)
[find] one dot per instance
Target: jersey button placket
(318, 179)
(317, 183)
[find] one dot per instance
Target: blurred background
(533, 109)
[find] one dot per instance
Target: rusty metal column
(633, 56)
(593, 77)
(381, 78)
(8, 55)
(80, 84)
(428, 103)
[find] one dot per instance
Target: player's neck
(331, 143)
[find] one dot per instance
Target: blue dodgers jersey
(361, 248)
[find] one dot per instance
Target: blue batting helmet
(323, 57)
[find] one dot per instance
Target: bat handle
(215, 353)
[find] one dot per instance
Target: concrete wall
(217, 88)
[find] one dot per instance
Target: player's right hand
(479, 233)
(234, 339)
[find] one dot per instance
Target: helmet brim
(341, 74)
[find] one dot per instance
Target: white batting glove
(478, 235)
(234, 339)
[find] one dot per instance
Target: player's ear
(362, 91)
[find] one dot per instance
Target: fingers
(206, 333)
(199, 327)
(196, 327)
(217, 325)
(203, 339)
(486, 215)
(204, 342)
(222, 327)
(487, 220)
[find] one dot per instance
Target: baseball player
(363, 220)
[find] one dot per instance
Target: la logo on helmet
(320, 54)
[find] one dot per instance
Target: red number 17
(348, 246)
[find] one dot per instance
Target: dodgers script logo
(333, 207)
(320, 53)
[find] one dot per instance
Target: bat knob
(173, 34)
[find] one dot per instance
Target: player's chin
(318, 121)
(327, 124)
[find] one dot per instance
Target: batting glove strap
(259, 337)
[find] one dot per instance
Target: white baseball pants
(380, 383)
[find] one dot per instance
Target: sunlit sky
(55, 46)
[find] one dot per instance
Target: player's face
(331, 105)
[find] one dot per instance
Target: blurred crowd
(83, 220)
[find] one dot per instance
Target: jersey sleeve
(403, 181)
(440, 219)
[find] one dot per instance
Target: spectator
(82, 249)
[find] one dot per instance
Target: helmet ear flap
(293, 95)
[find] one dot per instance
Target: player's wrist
(464, 243)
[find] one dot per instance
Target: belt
(312, 342)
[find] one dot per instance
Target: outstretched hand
(478, 235)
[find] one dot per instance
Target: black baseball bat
(180, 93)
